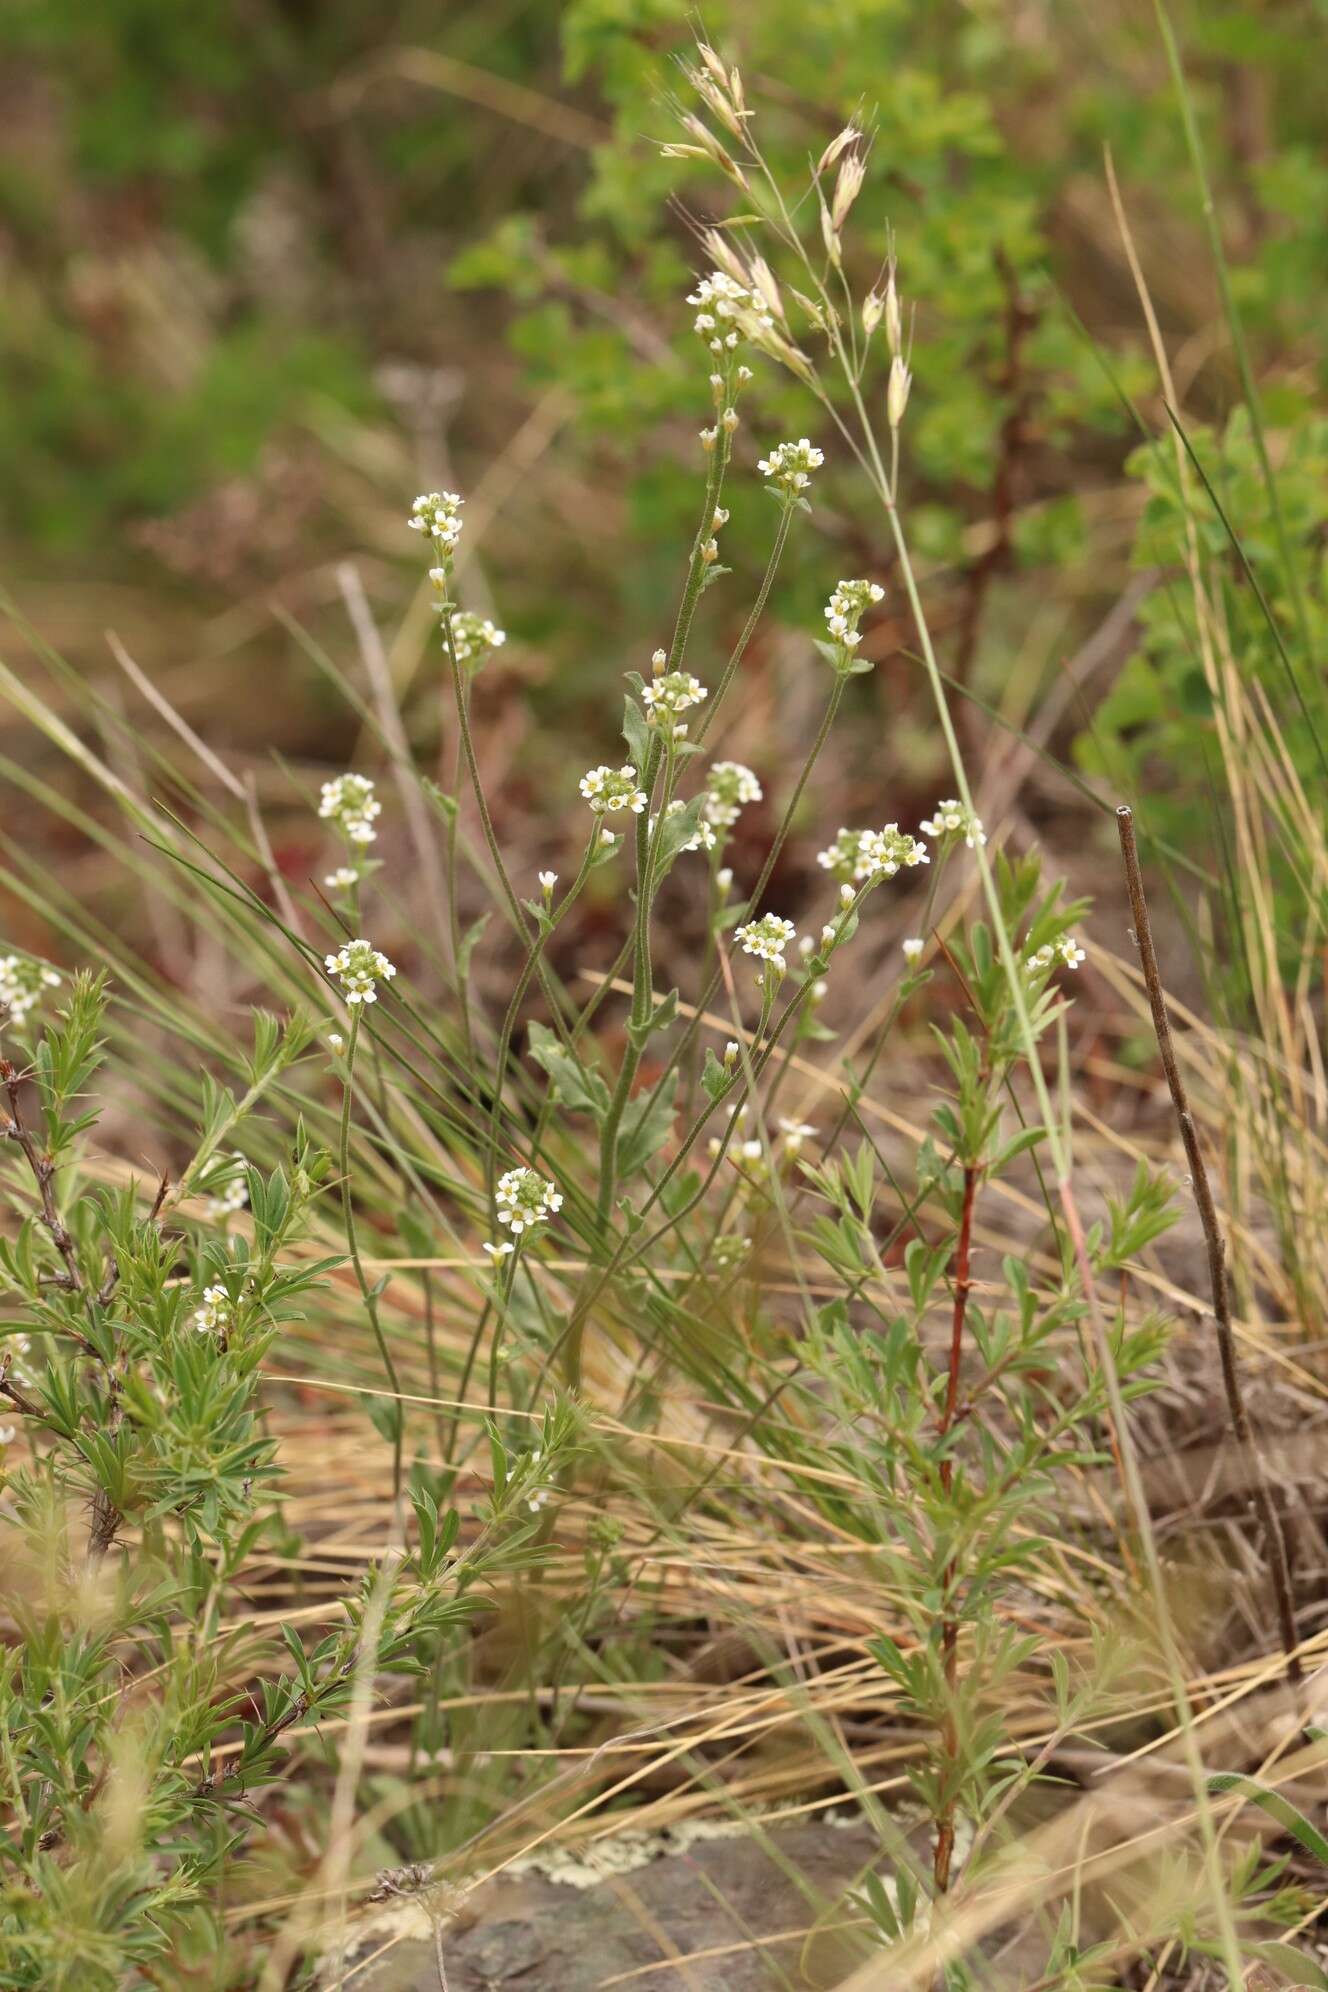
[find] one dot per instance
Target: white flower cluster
(214, 1317)
(703, 840)
(790, 466)
(524, 1199)
(1066, 951)
(951, 819)
(767, 938)
(358, 966)
(351, 804)
(844, 610)
(672, 694)
(233, 1194)
(725, 308)
(859, 855)
(613, 788)
(437, 513)
(22, 983)
(473, 637)
(729, 785)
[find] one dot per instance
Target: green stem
(523, 983)
(367, 1293)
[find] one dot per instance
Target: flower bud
(896, 395)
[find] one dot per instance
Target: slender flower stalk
(367, 1292)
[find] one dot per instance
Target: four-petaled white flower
(341, 879)
(767, 938)
(351, 803)
(951, 819)
(613, 788)
(524, 1199)
(473, 637)
(358, 966)
(22, 984)
(337, 1042)
(500, 1250)
(844, 610)
(913, 947)
(215, 1315)
(437, 514)
(790, 465)
(547, 881)
(672, 694)
(729, 785)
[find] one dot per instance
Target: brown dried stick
(1251, 1464)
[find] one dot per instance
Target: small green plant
(137, 1715)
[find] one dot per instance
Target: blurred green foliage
(216, 227)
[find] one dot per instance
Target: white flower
(8, 1434)
(548, 880)
(337, 1042)
(795, 1132)
(352, 805)
(658, 659)
(951, 819)
(913, 947)
(358, 966)
(672, 694)
(750, 1151)
(607, 838)
(703, 838)
(819, 990)
(1067, 951)
(731, 1052)
(790, 465)
(524, 1199)
(724, 880)
(233, 1194)
(473, 636)
(767, 938)
(214, 1316)
(499, 1251)
(22, 982)
(436, 513)
(729, 786)
(341, 879)
(613, 788)
(844, 610)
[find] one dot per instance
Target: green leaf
(1299, 1969)
(578, 1087)
(1288, 1817)
(636, 733)
(663, 1014)
(715, 1077)
(646, 1125)
(470, 940)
